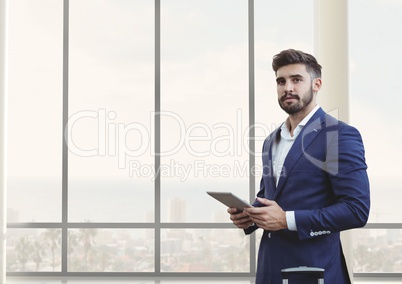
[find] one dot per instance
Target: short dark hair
(292, 56)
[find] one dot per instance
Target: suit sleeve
(347, 175)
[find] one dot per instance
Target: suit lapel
(268, 170)
(302, 142)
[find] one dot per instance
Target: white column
(332, 51)
(3, 91)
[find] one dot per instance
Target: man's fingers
(232, 210)
(243, 223)
(266, 201)
(254, 211)
(239, 219)
(238, 216)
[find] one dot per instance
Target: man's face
(295, 89)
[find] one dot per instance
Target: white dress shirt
(280, 150)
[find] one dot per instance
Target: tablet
(230, 200)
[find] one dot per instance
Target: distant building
(176, 210)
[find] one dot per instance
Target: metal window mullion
(157, 237)
(251, 95)
(64, 228)
(228, 225)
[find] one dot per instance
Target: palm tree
(38, 250)
(23, 248)
(72, 244)
(87, 237)
(53, 237)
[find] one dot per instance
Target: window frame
(157, 226)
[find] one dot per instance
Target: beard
(299, 106)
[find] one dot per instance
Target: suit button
(269, 235)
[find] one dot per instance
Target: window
(123, 113)
(111, 89)
(375, 68)
(35, 133)
(204, 103)
(270, 38)
(35, 82)
(104, 204)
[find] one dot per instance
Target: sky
(204, 85)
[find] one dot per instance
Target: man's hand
(240, 220)
(270, 217)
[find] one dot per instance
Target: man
(314, 181)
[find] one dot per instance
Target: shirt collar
(307, 118)
(285, 131)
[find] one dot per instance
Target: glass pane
(272, 35)
(33, 250)
(376, 66)
(107, 250)
(35, 110)
(204, 250)
(205, 101)
(111, 90)
(377, 250)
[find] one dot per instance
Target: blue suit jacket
(325, 182)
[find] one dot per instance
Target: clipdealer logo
(128, 142)
(115, 139)
(196, 169)
(331, 162)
